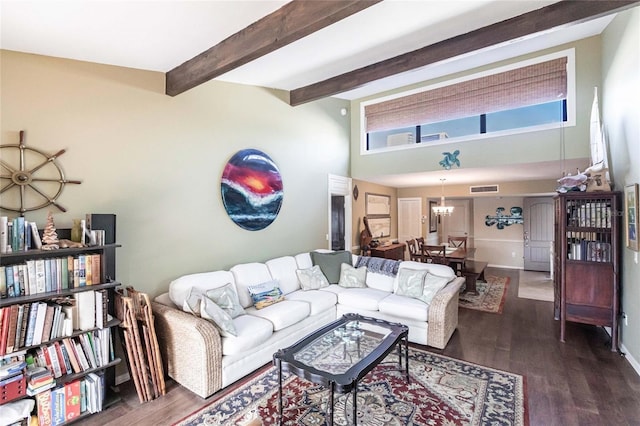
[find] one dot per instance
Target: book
(8, 273)
(63, 358)
(31, 325)
(82, 277)
(41, 281)
(48, 323)
(39, 325)
(86, 305)
(4, 328)
(76, 272)
(32, 278)
(53, 359)
(64, 273)
(43, 401)
(72, 400)
(47, 276)
(3, 283)
(4, 228)
(96, 269)
(16, 280)
(23, 328)
(101, 308)
(81, 356)
(70, 271)
(18, 329)
(22, 281)
(88, 271)
(11, 337)
(88, 350)
(71, 352)
(35, 236)
(58, 402)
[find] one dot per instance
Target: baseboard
(121, 378)
(634, 363)
(505, 266)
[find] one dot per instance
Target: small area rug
(490, 297)
(442, 391)
(535, 285)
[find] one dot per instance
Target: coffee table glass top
(341, 347)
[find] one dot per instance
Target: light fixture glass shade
(442, 209)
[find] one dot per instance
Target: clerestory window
(526, 96)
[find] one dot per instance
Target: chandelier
(442, 209)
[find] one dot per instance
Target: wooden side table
(393, 251)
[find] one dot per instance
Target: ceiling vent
(486, 189)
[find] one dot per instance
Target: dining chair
(457, 242)
(434, 254)
(414, 254)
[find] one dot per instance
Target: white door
(409, 218)
(538, 233)
(459, 223)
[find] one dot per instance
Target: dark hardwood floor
(580, 382)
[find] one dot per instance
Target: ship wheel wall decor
(30, 179)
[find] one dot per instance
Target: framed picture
(377, 205)
(380, 226)
(631, 215)
(433, 217)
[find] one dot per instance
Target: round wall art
(251, 189)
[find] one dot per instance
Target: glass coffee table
(340, 354)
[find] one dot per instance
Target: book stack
(39, 379)
(78, 354)
(66, 403)
(37, 276)
(17, 234)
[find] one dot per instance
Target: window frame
(570, 105)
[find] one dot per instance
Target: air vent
(487, 189)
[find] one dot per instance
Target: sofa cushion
(303, 260)
(246, 274)
(284, 269)
(331, 262)
(283, 314)
(410, 282)
(251, 332)
(431, 285)
(223, 321)
(312, 278)
(227, 298)
(201, 306)
(180, 287)
(351, 277)
(319, 301)
(362, 298)
(265, 294)
(404, 307)
(435, 269)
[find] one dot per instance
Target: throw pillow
(312, 278)
(222, 320)
(265, 294)
(330, 263)
(410, 282)
(432, 284)
(227, 298)
(351, 277)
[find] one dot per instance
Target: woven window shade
(530, 85)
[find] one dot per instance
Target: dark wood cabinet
(393, 251)
(586, 265)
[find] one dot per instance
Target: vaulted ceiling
(313, 49)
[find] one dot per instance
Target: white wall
(156, 161)
(620, 112)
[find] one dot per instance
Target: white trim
(340, 185)
(632, 361)
(491, 265)
(571, 104)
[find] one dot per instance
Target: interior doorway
(339, 214)
(538, 233)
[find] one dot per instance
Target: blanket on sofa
(388, 267)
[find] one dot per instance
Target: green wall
(537, 146)
(620, 112)
(156, 161)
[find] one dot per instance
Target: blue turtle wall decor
(450, 159)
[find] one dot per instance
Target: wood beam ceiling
(291, 22)
(555, 15)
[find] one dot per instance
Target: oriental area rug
(442, 391)
(490, 297)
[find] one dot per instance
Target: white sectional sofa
(198, 357)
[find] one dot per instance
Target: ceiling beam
(291, 22)
(555, 15)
